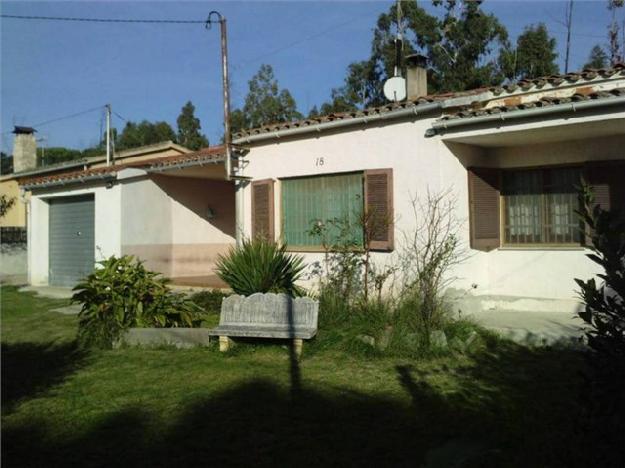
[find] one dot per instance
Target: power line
(104, 20)
(299, 41)
(71, 116)
(123, 118)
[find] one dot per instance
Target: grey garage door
(72, 239)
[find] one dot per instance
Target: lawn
(61, 406)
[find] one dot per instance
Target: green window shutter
(308, 200)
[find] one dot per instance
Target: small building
(166, 205)
(510, 156)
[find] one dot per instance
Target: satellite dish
(395, 89)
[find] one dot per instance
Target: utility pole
(108, 134)
(238, 180)
(569, 23)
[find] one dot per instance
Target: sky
(145, 71)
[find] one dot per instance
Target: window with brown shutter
(262, 209)
(379, 205)
(484, 192)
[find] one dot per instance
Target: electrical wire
(123, 118)
(103, 20)
(71, 116)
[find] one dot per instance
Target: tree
(6, 203)
(597, 58)
(56, 155)
(361, 89)
(535, 54)
(144, 133)
(6, 163)
(616, 55)
(461, 43)
(265, 103)
(189, 128)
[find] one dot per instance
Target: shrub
(121, 294)
(605, 305)
(605, 313)
(261, 266)
(429, 254)
(209, 300)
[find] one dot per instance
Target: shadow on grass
(516, 407)
(29, 369)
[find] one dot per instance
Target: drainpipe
(438, 127)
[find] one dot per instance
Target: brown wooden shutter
(607, 179)
(262, 209)
(379, 203)
(484, 192)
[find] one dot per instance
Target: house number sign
(319, 162)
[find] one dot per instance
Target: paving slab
(49, 291)
(535, 328)
(73, 309)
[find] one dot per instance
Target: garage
(72, 239)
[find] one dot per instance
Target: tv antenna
(395, 87)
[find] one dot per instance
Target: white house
(511, 155)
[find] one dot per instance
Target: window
(307, 200)
(539, 206)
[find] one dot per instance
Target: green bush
(261, 266)
(210, 300)
(121, 294)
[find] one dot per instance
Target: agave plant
(260, 265)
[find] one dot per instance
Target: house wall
(107, 226)
(16, 215)
(519, 278)
(165, 222)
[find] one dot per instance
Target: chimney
(416, 77)
(24, 149)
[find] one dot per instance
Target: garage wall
(107, 226)
(166, 223)
(146, 224)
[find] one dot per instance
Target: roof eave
(444, 126)
(412, 111)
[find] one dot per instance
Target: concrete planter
(180, 338)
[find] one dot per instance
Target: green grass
(61, 406)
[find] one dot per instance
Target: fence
(12, 235)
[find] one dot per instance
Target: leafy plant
(260, 265)
(605, 313)
(122, 293)
(209, 300)
(605, 304)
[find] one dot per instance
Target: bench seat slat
(263, 332)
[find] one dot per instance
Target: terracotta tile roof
(469, 111)
(269, 128)
(212, 154)
(588, 74)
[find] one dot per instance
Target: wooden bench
(267, 316)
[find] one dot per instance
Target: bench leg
(298, 344)
(225, 344)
